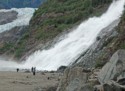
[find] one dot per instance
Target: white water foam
(67, 51)
(23, 18)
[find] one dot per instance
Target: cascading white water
(76, 42)
(23, 18)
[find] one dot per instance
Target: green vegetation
(59, 15)
(6, 47)
(56, 16)
(22, 43)
(99, 64)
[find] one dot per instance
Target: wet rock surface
(98, 51)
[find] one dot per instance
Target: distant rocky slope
(7, 4)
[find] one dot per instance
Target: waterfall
(23, 18)
(76, 42)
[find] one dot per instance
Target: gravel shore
(25, 81)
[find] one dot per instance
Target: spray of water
(23, 18)
(66, 51)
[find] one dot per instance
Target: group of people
(33, 70)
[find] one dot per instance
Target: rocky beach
(26, 81)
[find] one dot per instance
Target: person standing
(34, 71)
(17, 69)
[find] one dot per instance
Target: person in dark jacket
(34, 71)
(17, 69)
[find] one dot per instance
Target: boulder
(110, 86)
(114, 68)
(74, 79)
(61, 68)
